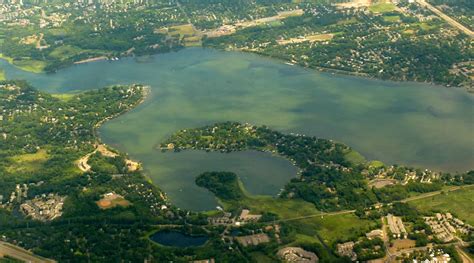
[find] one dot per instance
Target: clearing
(457, 202)
(308, 38)
(112, 200)
(382, 8)
(29, 162)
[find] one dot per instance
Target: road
(422, 196)
(448, 19)
(430, 194)
(7, 249)
(465, 257)
(343, 212)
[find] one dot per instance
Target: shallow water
(405, 123)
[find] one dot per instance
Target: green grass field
(382, 8)
(332, 228)
(30, 65)
(459, 203)
(66, 51)
(392, 19)
(26, 64)
(28, 162)
(63, 96)
(284, 208)
(355, 157)
(2, 75)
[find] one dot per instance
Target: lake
(178, 239)
(395, 122)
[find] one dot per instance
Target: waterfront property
(230, 86)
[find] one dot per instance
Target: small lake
(395, 122)
(178, 239)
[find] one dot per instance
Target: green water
(405, 123)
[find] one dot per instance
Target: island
(340, 207)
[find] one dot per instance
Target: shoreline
(90, 60)
(344, 73)
(145, 95)
(468, 88)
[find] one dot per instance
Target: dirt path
(448, 19)
(85, 167)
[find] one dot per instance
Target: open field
(113, 201)
(65, 51)
(28, 162)
(355, 157)
(458, 202)
(30, 65)
(182, 30)
(354, 4)
(63, 96)
(332, 228)
(382, 8)
(8, 59)
(284, 208)
(309, 38)
(379, 183)
(391, 18)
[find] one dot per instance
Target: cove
(395, 122)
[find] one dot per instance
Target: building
(374, 234)
(396, 226)
(297, 254)
(246, 216)
(347, 250)
(253, 240)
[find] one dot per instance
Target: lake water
(405, 123)
(178, 239)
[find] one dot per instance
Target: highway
(7, 249)
(448, 19)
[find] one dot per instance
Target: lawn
(351, 20)
(261, 257)
(182, 30)
(26, 64)
(425, 26)
(8, 59)
(333, 228)
(63, 96)
(382, 8)
(392, 19)
(28, 162)
(66, 51)
(459, 203)
(30, 65)
(330, 227)
(2, 75)
(355, 157)
(284, 208)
